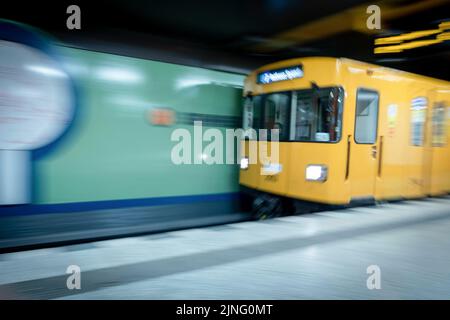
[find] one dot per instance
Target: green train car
(115, 152)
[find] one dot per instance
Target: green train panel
(113, 151)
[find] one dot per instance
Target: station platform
(323, 255)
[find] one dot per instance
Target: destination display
(283, 74)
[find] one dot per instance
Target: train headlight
(244, 163)
(316, 172)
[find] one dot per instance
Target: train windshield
(311, 115)
(271, 111)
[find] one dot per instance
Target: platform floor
(315, 256)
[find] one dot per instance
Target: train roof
(351, 63)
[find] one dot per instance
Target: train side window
(366, 118)
(418, 118)
(438, 125)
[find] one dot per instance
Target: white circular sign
(35, 98)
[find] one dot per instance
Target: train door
(363, 146)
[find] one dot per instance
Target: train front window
(271, 111)
(276, 115)
(318, 115)
(315, 115)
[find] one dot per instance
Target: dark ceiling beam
(352, 19)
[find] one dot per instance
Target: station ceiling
(240, 35)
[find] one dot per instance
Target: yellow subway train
(349, 132)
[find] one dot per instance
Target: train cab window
(251, 117)
(317, 115)
(247, 116)
(366, 116)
